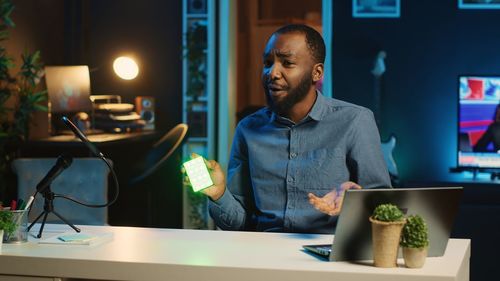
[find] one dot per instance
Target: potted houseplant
(387, 222)
(7, 225)
(415, 241)
(20, 96)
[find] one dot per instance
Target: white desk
(174, 254)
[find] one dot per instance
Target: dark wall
(151, 31)
(427, 48)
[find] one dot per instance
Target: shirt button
(290, 179)
(293, 155)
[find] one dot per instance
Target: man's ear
(317, 73)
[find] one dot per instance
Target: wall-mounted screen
(479, 121)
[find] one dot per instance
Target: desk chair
(85, 180)
(148, 170)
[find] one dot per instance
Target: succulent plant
(388, 213)
(7, 223)
(415, 233)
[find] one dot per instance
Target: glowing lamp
(126, 68)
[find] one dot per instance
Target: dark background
(427, 48)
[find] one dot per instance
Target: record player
(110, 114)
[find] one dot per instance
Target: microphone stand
(48, 208)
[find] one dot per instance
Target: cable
(117, 188)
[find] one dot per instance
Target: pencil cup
(17, 231)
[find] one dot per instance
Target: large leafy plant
(19, 98)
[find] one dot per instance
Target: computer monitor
(478, 97)
(68, 89)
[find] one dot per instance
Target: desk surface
(175, 254)
(97, 138)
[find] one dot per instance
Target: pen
(13, 205)
(29, 203)
(20, 204)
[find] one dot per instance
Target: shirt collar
(319, 108)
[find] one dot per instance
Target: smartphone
(198, 174)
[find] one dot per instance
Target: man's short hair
(314, 40)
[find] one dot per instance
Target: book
(82, 238)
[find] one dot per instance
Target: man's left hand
(331, 203)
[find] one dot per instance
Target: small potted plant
(415, 241)
(7, 225)
(387, 222)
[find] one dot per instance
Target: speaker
(145, 107)
(197, 6)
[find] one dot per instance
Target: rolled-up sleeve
(231, 211)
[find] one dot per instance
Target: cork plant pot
(414, 257)
(1, 239)
(385, 242)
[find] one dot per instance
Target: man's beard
(294, 96)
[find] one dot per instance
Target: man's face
(287, 72)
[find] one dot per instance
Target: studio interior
(151, 82)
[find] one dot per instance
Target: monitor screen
(68, 88)
(478, 132)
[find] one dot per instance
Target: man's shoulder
(335, 105)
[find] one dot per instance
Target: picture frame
(376, 8)
(479, 4)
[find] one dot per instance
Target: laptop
(438, 206)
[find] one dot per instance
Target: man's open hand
(331, 203)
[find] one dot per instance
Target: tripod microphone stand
(43, 188)
(48, 207)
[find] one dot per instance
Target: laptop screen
(68, 88)
(438, 207)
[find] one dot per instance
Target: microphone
(82, 137)
(62, 163)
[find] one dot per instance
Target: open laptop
(438, 206)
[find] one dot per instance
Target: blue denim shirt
(275, 163)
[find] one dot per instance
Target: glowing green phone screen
(198, 174)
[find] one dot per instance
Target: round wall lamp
(126, 68)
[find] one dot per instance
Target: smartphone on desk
(198, 174)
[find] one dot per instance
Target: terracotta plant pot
(414, 257)
(385, 242)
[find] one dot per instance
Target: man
(292, 161)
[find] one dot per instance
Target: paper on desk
(82, 238)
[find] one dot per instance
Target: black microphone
(62, 163)
(82, 137)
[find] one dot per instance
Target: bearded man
(292, 161)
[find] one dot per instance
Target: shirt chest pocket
(323, 169)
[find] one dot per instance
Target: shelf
(197, 139)
(196, 16)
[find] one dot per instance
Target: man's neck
(303, 107)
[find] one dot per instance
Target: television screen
(479, 123)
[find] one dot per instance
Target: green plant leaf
(415, 233)
(388, 212)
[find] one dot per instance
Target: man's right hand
(218, 178)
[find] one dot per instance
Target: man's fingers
(349, 185)
(211, 164)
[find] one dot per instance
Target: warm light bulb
(126, 68)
